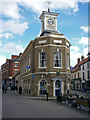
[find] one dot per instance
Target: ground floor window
(43, 87)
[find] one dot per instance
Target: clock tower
(48, 22)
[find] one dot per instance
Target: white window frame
(67, 60)
(29, 61)
(39, 59)
(61, 59)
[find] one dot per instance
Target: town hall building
(45, 63)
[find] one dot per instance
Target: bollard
(47, 96)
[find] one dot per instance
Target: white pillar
(38, 90)
(62, 87)
(53, 88)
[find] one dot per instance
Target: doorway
(57, 87)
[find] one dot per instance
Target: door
(57, 87)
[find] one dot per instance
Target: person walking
(3, 88)
(20, 90)
(16, 90)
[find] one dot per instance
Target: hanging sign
(33, 76)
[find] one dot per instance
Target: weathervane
(48, 5)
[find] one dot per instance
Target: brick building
(80, 75)
(0, 78)
(10, 69)
(45, 63)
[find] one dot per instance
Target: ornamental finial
(48, 5)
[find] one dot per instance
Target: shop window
(83, 66)
(43, 87)
(83, 75)
(88, 74)
(57, 59)
(16, 65)
(15, 72)
(87, 64)
(78, 74)
(75, 76)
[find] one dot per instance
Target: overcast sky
(19, 24)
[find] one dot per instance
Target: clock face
(50, 21)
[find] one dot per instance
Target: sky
(20, 23)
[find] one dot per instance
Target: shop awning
(58, 78)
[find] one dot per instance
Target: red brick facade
(10, 68)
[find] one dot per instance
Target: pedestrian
(20, 90)
(16, 90)
(3, 88)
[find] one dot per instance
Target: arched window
(57, 87)
(43, 87)
(57, 84)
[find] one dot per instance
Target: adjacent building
(76, 76)
(0, 78)
(85, 74)
(10, 69)
(80, 77)
(45, 63)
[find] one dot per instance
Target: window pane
(42, 59)
(16, 64)
(57, 59)
(67, 61)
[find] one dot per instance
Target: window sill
(42, 67)
(58, 67)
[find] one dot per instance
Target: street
(21, 107)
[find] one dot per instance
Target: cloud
(2, 60)
(6, 35)
(0, 44)
(13, 26)
(84, 40)
(39, 33)
(74, 48)
(85, 52)
(13, 48)
(73, 57)
(75, 53)
(10, 10)
(85, 29)
(38, 5)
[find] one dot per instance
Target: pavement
(45, 97)
(80, 93)
(20, 106)
(31, 97)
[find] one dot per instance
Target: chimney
(20, 54)
(48, 10)
(88, 56)
(7, 60)
(82, 57)
(78, 60)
